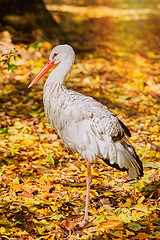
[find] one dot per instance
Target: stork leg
(88, 181)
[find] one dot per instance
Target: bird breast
(83, 124)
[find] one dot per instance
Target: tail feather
(126, 159)
(127, 145)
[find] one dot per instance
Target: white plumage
(85, 125)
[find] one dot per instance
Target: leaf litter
(42, 184)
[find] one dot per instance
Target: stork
(85, 125)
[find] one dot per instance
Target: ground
(43, 185)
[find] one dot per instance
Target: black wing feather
(120, 135)
(125, 128)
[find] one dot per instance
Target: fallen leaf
(50, 159)
(151, 164)
(69, 225)
(134, 226)
(141, 235)
(4, 222)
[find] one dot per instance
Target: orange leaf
(110, 224)
(69, 225)
(26, 195)
(141, 235)
(15, 186)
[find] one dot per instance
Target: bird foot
(82, 223)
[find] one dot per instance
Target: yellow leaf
(41, 150)
(95, 172)
(107, 194)
(128, 202)
(26, 142)
(4, 222)
(154, 129)
(87, 232)
(14, 151)
(110, 224)
(158, 155)
(72, 167)
(47, 45)
(16, 180)
(43, 212)
(127, 187)
(117, 233)
(152, 111)
(124, 217)
(41, 125)
(54, 208)
(148, 145)
(20, 125)
(93, 193)
(112, 217)
(97, 94)
(52, 137)
(35, 220)
(2, 230)
(73, 237)
(52, 237)
(141, 207)
(12, 167)
(7, 199)
(84, 237)
(94, 181)
(101, 209)
(8, 172)
(128, 233)
(141, 199)
(20, 233)
(101, 219)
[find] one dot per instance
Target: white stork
(85, 125)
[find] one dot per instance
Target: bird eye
(55, 54)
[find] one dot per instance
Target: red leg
(88, 181)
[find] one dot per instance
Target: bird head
(59, 54)
(62, 53)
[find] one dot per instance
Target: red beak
(49, 64)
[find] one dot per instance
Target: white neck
(58, 75)
(54, 89)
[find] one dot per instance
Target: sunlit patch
(103, 11)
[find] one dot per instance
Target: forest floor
(43, 186)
